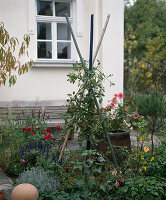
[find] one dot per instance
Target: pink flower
(110, 188)
(114, 173)
(22, 161)
(37, 127)
(117, 184)
(136, 115)
(48, 129)
(128, 115)
(114, 100)
(29, 129)
(24, 129)
(112, 106)
(122, 180)
(121, 95)
(58, 128)
(129, 170)
(32, 133)
(45, 132)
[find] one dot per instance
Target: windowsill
(54, 63)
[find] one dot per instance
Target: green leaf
(91, 183)
(102, 187)
(80, 183)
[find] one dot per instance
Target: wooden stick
(101, 38)
(64, 146)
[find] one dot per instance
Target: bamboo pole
(101, 38)
(64, 146)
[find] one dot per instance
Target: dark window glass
(63, 32)
(44, 31)
(64, 50)
(44, 50)
(44, 8)
(61, 8)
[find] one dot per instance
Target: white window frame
(77, 25)
(54, 21)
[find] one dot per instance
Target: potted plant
(115, 118)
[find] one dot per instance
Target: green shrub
(153, 107)
(43, 180)
(157, 166)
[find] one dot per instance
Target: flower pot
(118, 138)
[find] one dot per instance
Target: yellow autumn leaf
(152, 159)
(146, 149)
(144, 168)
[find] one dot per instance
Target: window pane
(44, 8)
(44, 49)
(61, 8)
(63, 32)
(44, 31)
(64, 50)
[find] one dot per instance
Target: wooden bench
(19, 110)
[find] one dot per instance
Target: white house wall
(50, 83)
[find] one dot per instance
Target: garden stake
(91, 44)
(106, 133)
(90, 69)
(96, 102)
(101, 38)
(74, 40)
(64, 145)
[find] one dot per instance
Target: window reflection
(44, 31)
(63, 32)
(44, 8)
(44, 49)
(64, 50)
(61, 8)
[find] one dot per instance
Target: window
(53, 35)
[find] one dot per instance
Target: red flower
(32, 133)
(37, 127)
(29, 129)
(45, 137)
(24, 129)
(58, 128)
(114, 100)
(112, 106)
(115, 95)
(121, 95)
(45, 132)
(48, 129)
(102, 109)
(49, 136)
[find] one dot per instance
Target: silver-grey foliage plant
(43, 180)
